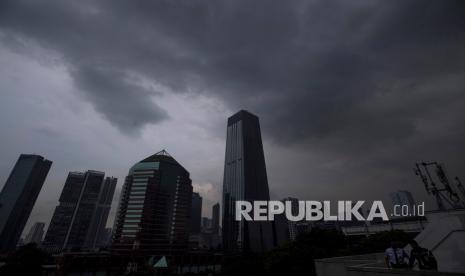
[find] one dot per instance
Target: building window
(133, 215)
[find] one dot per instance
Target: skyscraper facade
(36, 233)
(154, 208)
(82, 212)
(196, 214)
(18, 197)
(244, 179)
(98, 233)
(216, 219)
(62, 218)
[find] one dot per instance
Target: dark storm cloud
(313, 63)
(341, 77)
(120, 99)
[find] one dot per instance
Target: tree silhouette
(27, 260)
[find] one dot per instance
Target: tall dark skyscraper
(196, 213)
(62, 218)
(18, 197)
(81, 216)
(154, 208)
(216, 219)
(97, 235)
(244, 179)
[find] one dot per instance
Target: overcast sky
(350, 94)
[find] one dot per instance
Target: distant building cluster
(158, 214)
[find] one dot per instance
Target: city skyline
(226, 138)
(350, 94)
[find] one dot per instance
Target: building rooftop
(161, 156)
(241, 115)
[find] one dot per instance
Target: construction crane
(445, 195)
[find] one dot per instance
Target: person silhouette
(423, 257)
(396, 256)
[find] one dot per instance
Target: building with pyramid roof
(154, 208)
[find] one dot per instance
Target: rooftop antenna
(163, 152)
(444, 194)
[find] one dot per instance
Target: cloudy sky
(350, 94)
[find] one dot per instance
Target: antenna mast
(444, 194)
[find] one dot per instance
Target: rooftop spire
(163, 152)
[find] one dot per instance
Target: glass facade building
(18, 197)
(154, 209)
(97, 234)
(245, 179)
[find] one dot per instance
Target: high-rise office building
(216, 219)
(245, 179)
(36, 233)
(97, 235)
(154, 208)
(196, 214)
(62, 218)
(81, 216)
(402, 198)
(18, 197)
